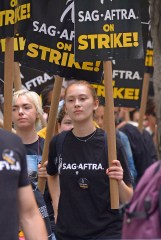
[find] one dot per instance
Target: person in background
(64, 121)
(79, 179)
(16, 195)
(151, 120)
(46, 96)
(134, 115)
(141, 143)
(99, 118)
(26, 111)
(128, 115)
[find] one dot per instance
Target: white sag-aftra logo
(8, 161)
(69, 8)
(102, 1)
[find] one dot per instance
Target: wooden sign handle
(8, 82)
(110, 129)
(50, 126)
(144, 96)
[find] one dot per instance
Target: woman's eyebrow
(23, 105)
(82, 94)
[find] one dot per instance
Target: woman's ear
(37, 115)
(96, 104)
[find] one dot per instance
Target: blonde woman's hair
(35, 100)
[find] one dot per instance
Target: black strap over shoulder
(59, 142)
(42, 208)
(160, 204)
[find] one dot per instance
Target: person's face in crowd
(99, 116)
(46, 108)
(136, 116)
(151, 120)
(24, 113)
(80, 103)
(66, 124)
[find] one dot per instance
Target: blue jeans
(53, 236)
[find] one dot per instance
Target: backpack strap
(42, 208)
(160, 204)
(59, 142)
(141, 214)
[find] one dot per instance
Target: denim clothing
(53, 236)
(125, 142)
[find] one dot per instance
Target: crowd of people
(77, 172)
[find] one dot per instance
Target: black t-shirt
(13, 175)
(34, 156)
(142, 146)
(85, 213)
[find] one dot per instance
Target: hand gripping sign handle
(50, 126)
(110, 129)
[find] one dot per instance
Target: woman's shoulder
(60, 136)
(42, 132)
(100, 133)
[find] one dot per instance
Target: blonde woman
(26, 112)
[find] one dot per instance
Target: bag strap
(139, 215)
(59, 142)
(160, 204)
(34, 187)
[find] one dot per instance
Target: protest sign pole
(110, 129)
(50, 126)
(17, 77)
(8, 82)
(144, 96)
